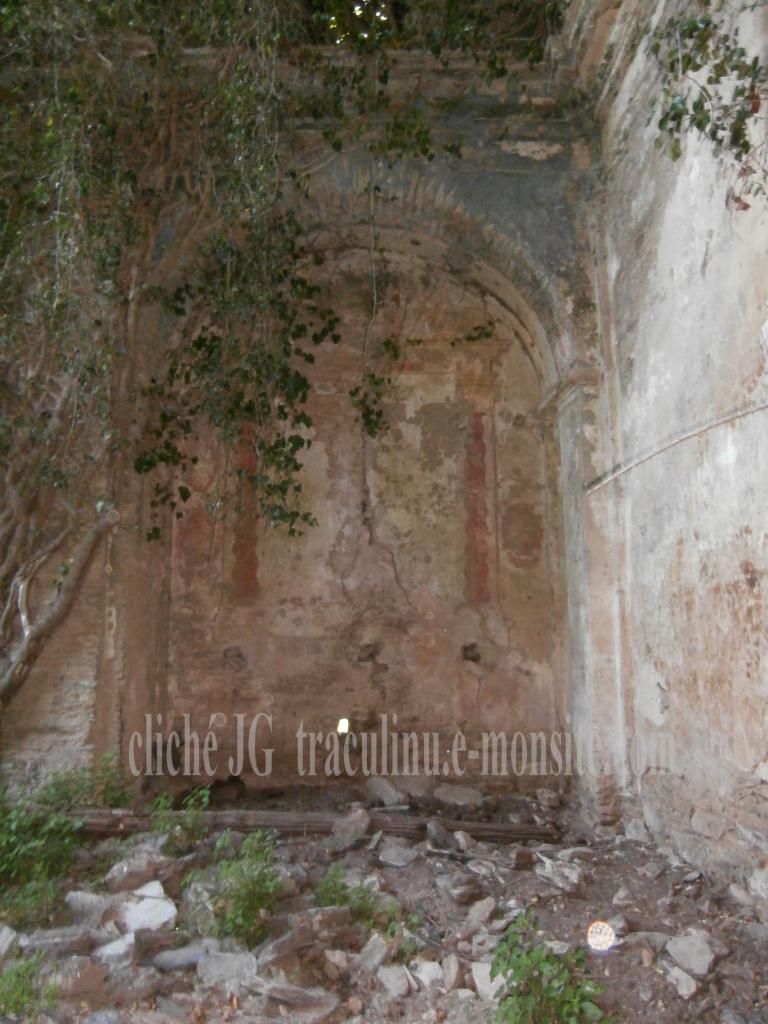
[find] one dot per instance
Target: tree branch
(22, 657)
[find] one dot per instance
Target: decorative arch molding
(432, 222)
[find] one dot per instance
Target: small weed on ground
(39, 839)
(29, 905)
(184, 828)
(21, 994)
(366, 905)
(103, 784)
(540, 987)
(34, 842)
(244, 887)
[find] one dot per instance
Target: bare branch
(22, 657)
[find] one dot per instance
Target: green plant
(406, 944)
(246, 890)
(362, 899)
(34, 842)
(332, 890)
(540, 987)
(183, 828)
(30, 904)
(710, 84)
(103, 784)
(21, 992)
(156, 289)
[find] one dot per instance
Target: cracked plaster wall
(683, 302)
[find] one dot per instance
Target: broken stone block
(147, 907)
(292, 878)
(427, 972)
(487, 989)
(622, 897)
(438, 834)
(373, 954)
(308, 927)
(102, 1017)
(463, 888)
(9, 940)
(90, 908)
(692, 952)
(740, 895)
(231, 972)
(647, 956)
(655, 940)
(557, 947)
(463, 841)
(758, 883)
(77, 978)
(684, 983)
(500, 924)
(184, 958)
(130, 984)
(394, 980)
(57, 942)
(482, 868)
(197, 906)
(141, 866)
(119, 952)
(479, 913)
(336, 964)
(458, 796)
(395, 853)
(652, 870)
(482, 944)
(580, 853)
(315, 1004)
(453, 973)
(353, 826)
(417, 786)
(381, 791)
(561, 874)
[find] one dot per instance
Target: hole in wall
(470, 652)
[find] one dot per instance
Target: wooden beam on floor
(296, 823)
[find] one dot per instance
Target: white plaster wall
(684, 302)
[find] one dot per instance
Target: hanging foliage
(156, 291)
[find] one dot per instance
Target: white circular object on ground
(600, 935)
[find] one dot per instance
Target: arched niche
(432, 587)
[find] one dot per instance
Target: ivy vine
(155, 288)
(711, 86)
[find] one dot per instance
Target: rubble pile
(140, 943)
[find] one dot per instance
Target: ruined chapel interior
(561, 530)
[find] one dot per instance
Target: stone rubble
(692, 952)
(141, 951)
